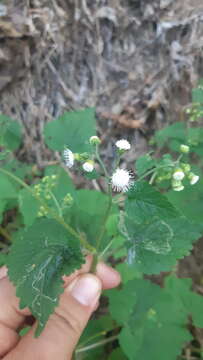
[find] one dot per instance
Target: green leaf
(144, 163)
(157, 235)
(144, 203)
(157, 320)
(189, 201)
(163, 254)
(175, 131)
(117, 354)
(73, 130)
(63, 186)
(7, 189)
(25, 198)
(88, 212)
(11, 131)
(39, 257)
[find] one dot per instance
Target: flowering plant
(130, 219)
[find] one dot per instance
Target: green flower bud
(186, 167)
(184, 149)
(95, 140)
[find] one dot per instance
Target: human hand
(64, 327)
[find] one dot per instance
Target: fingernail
(85, 289)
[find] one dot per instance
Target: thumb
(64, 327)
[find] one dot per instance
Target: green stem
(98, 344)
(153, 178)
(59, 219)
(103, 228)
(56, 203)
(100, 161)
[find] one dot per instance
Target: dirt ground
(135, 61)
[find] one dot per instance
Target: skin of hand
(64, 327)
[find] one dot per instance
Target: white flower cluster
(122, 179)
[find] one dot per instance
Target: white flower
(178, 188)
(178, 175)
(184, 149)
(68, 157)
(121, 180)
(95, 140)
(194, 179)
(88, 166)
(123, 144)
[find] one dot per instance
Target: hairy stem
(98, 344)
(101, 162)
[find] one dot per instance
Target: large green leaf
(157, 322)
(157, 235)
(38, 259)
(73, 130)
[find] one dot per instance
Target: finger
(3, 272)
(64, 327)
(110, 278)
(11, 317)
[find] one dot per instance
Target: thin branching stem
(58, 218)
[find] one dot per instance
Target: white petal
(194, 179)
(123, 144)
(178, 175)
(68, 157)
(121, 180)
(88, 167)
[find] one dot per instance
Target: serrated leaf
(39, 257)
(157, 320)
(157, 236)
(144, 203)
(153, 261)
(73, 130)
(144, 163)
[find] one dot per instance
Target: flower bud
(95, 140)
(88, 166)
(193, 178)
(184, 149)
(178, 174)
(177, 185)
(186, 167)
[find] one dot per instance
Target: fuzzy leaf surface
(39, 257)
(73, 129)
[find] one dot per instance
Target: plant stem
(98, 344)
(100, 161)
(58, 218)
(152, 178)
(56, 203)
(103, 228)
